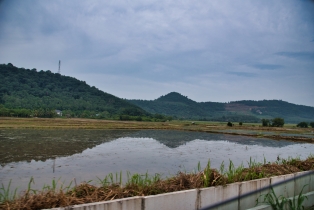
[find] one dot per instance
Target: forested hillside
(179, 106)
(291, 112)
(39, 91)
(28, 92)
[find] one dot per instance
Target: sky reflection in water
(88, 154)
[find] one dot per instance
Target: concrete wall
(201, 198)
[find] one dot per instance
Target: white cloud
(193, 47)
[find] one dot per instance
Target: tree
(312, 124)
(138, 118)
(124, 117)
(169, 118)
(265, 122)
(303, 125)
(229, 124)
(277, 122)
(240, 123)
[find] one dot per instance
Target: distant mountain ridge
(175, 104)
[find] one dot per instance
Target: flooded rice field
(84, 155)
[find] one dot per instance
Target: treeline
(305, 124)
(233, 118)
(154, 118)
(276, 122)
(44, 113)
(47, 113)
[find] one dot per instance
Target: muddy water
(88, 154)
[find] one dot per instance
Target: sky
(217, 50)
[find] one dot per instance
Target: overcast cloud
(218, 50)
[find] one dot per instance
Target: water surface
(88, 154)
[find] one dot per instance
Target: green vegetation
(303, 125)
(272, 108)
(16, 112)
(181, 107)
(265, 122)
(5, 193)
(111, 187)
(281, 202)
(32, 90)
(32, 93)
(276, 122)
(178, 106)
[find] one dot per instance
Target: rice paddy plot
(83, 155)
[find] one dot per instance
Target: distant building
(58, 112)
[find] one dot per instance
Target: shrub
(278, 122)
(125, 117)
(265, 122)
(229, 124)
(138, 118)
(303, 125)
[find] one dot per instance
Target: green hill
(25, 92)
(179, 106)
(43, 90)
(274, 108)
(174, 104)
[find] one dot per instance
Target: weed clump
(111, 186)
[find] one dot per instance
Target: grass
(5, 193)
(281, 203)
(142, 180)
(54, 186)
(111, 186)
(207, 175)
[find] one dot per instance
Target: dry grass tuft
(86, 193)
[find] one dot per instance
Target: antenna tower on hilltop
(59, 67)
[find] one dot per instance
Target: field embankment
(288, 132)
